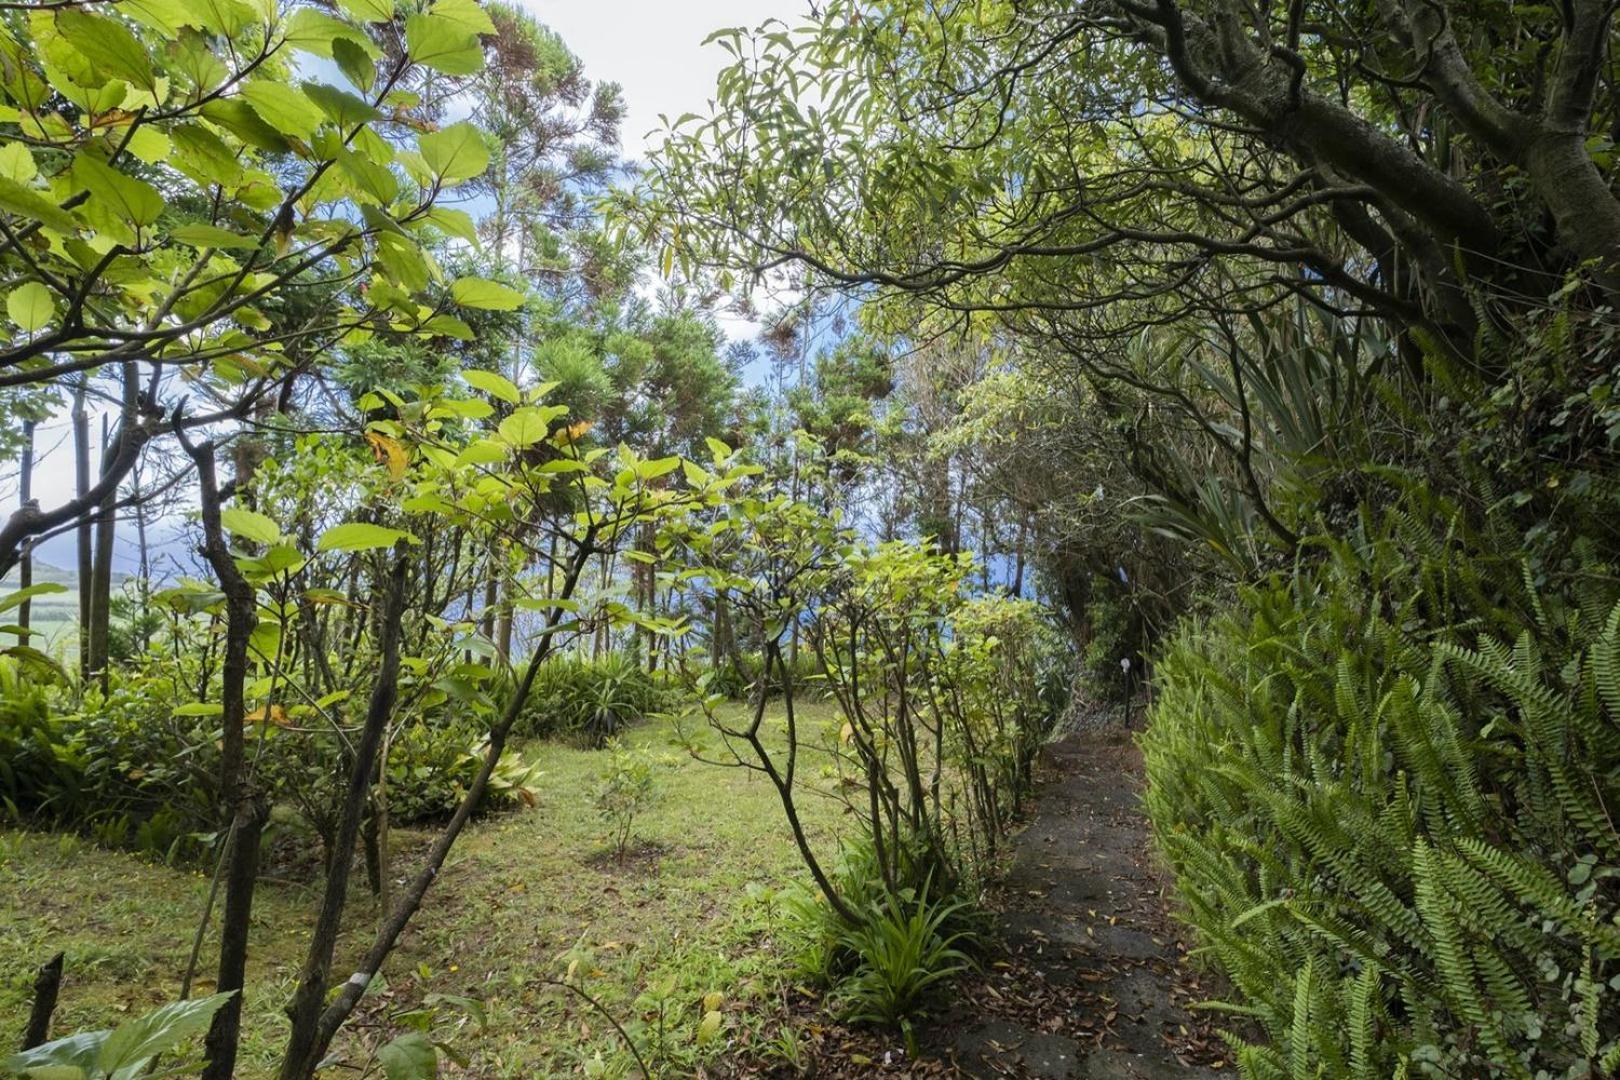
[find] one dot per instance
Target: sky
(651, 48)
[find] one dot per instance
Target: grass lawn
(525, 896)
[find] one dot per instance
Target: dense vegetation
(1260, 360)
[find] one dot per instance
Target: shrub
(624, 789)
(591, 699)
(1387, 794)
(883, 967)
(131, 770)
(39, 774)
(738, 677)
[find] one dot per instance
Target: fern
(1390, 819)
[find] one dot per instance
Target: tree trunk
(81, 487)
(244, 812)
(25, 495)
(304, 1044)
(101, 572)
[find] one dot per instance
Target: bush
(1387, 792)
(39, 774)
(591, 699)
(738, 678)
(131, 770)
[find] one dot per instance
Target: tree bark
(47, 984)
(244, 812)
(304, 1045)
(81, 492)
(101, 572)
(25, 496)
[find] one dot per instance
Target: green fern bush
(1388, 786)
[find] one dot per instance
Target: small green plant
(904, 946)
(124, 1052)
(625, 789)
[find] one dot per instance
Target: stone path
(1092, 982)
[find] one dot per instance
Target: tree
(1087, 172)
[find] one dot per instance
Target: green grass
(524, 895)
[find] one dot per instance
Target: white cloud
(654, 49)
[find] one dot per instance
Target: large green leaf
(341, 107)
(360, 536)
(28, 203)
(111, 49)
(250, 525)
(412, 1056)
(131, 200)
(17, 162)
(443, 44)
(44, 588)
(468, 14)
(482, 293)
(286, 108)
(368, 10)
(494, 385)
(314, 32)
(525, 427)
(455, 154)
(212, 236)
(136, 1042)
(31, 306)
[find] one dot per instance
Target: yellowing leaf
(31, 306)
(390, 453)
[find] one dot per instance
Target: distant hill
(54, 616)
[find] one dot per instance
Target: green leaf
(240, 119)
(368, 10)
(31, 306)
(135, 1042)
(495, 385)
(285, 108)
(132, 200)
(449, 326)
(314, 32)
(360, 536)
(17, 163)
(375, 180)
(28, 203)
(465, 13)
(150, 145)
(485, 294)
(525, 427)
(204, 157)
(443, 44)
(111, 49)
(409, 1057)
(455, 154)
(250, 525)
(452, 222)
(341, 107)
(212, 236)
(43, 589)
(200, 708)
(356, 65)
